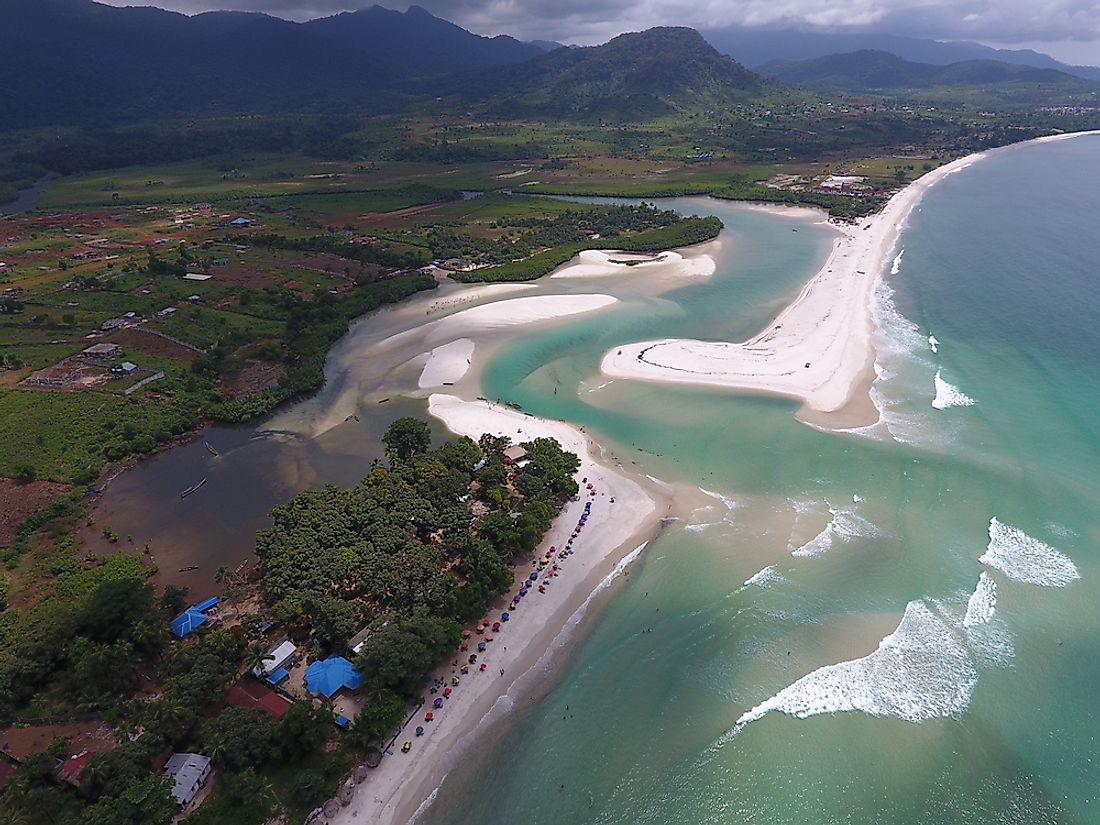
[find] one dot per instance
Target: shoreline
(819, 349)
(399, 787)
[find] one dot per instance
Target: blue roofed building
(330, 676)
(192, 618)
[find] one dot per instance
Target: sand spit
(818, 350)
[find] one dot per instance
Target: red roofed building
(248, 693)
(69, 770)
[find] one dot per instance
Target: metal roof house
(192, 618)
(332, 675)
(514, 453)
(276, 657)
(189, 772)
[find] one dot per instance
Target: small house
(197, 276)
(355, 644)
(125, 368)
(167, 312)
(248, 693)
(188, 773)
(514, 454)
(271, 668)
(105, 350)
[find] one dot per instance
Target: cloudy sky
(1068, 29)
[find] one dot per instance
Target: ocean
(897, 624)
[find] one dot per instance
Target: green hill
(634, 76)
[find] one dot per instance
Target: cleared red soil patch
(380, 218)
(254, 376)
(133, 339)
(19, 501)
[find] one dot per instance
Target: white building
(188, 772)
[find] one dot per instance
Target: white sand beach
(818, 350)
(598, 263)
(392, 793)
(447, 363)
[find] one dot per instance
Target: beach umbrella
(437, 704)
(481, 646)
(446, 691)
(496, 626)
(466, 633)
(504, 617)
(429, 716)
(488, 637)
(419, 730)
(533, 576)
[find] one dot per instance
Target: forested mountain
(756, 47)
(636, 75)
(77, 61)
(417, 44)
(870, 70)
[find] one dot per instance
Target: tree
(25, 473)
(303, 730)
(239, 737)
(380, 714)
(174, 598)
(405, 438)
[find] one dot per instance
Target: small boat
(211, 449)
(189, 568)
(192, 489)
(383, 400)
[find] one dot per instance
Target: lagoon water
(893, 625)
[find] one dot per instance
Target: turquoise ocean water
(889, 685)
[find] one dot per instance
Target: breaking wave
(1026, 558)
(920, 671)
(982, 603)
(766, 576)
(844, 525)
(895, 267)
(948, 395)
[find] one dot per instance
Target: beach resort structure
(192, 618)
(188, 772)
(329, 676)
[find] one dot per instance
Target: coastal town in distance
(523, 413)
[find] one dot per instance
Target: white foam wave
(1060, 530)
(948, 395)
(766, 576)
(844, 525)
(933, 344)
(895, 268)
(982, 603)
(1026, 558)
(729, 502)
(698, 528)
(920, 671)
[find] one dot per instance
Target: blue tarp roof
(192, 618)
(342, 721)
(277, 676)
(328, 676)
